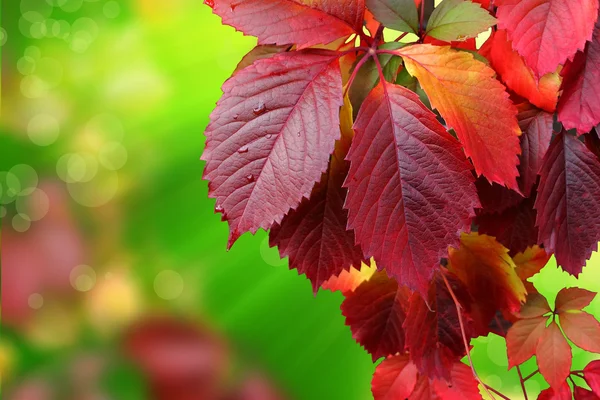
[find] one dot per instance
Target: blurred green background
(114, 266)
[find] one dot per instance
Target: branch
(531, 375)
(466, 341)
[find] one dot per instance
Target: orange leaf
(487, 270)
(554, 356)
(522, 339)
(529, 263)
(518, 76)
(348, 281)
(582, 329)
(536, 306)
(474, 104)
(573, 299)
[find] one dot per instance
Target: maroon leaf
(583, 394)
(433, 335)
(514, 227)
(407, 173)
(495, 198)
(554, 356)
(563, 393)
(266, 127)
(592, 376)
(568, 203)
(375, 312)
(306, 23)
(535, 140)
(570, 299)
(394, 378)
(314, 236)
(579, 105)
(592, 141)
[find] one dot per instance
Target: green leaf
(400, 15)
(456, 20)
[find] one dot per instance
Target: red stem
(401, 36)
(356, 68)
(522, 382)
(531, 375)
(497, 392)
(465, 340)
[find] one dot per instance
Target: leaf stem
(422, 18)
(522, 381)
(400, 37)
(356, 68)
(497, 392)
(531, 375)
(465, 341)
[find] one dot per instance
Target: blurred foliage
(106, 225)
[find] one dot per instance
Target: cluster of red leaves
(349, 148)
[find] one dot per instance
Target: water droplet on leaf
(235, 116)
(250, 178)
(218, 208)
(269, 136)
(243, 149)
(259, 109)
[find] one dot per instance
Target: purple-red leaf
(314, 236)
(305, 23)
(568, 203)
(411, 191)
(495, 198)
(270, 137)
(554, 356)
(579, 105)
(395, 378)
(537, 29)
(375, 312)
(433, 335)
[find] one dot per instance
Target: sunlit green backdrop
(109, 99)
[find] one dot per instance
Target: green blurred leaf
(458, 20)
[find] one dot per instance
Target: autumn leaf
(592, 376)
(399, 158)
(579, 105)
(522, 339)
(580, 393)
(474, 104)
(535, 141)
(455, 20)
(462, 385)
(488, 272)
(395, 378)
(375, 312)
(265, 126)
(314, 236)
(400, 15)
(433, 335)
(513, 71)
(495, 198)
(568, 203)
(573, 299)
(528, 263)
(537, 29)
(535, 306)
(563, 393)
(348, 281)
(582, 329)
(305, 23)
(553, 356)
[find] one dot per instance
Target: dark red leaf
(495, 198)
(582, 329)
(568, 203)
(573, 299)
(564, 393)
(554, 356)
(433, 335)
(535, 140)
(579, 105)
(592, 376)
(406, 173)
(522, 339)
(583, 394)
(592, 141)
(537, 27)
(305, 23)
(266, 126)
(395, 378)
(375, 312)
(314, 236)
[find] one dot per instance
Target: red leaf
(535, 306)
(495, 198)
(582, 329)
(592, 376)
(406, 172)
(564, 393)
(433, 335)
(462, 386)
(265, 126)
(395, 378)
(522, 339)
(568, 203)
(583, 394)
(348, 281)
(535, 140)
(514, 227)
(554, 356)
(488, 272)
(375, 312)
(258, 53)
(518, 76)
(571, 299)
(537, 29)
(579, 105)
(473, 103)
(305, 23)
(468, 44)
(423, 390)
(314, 236)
